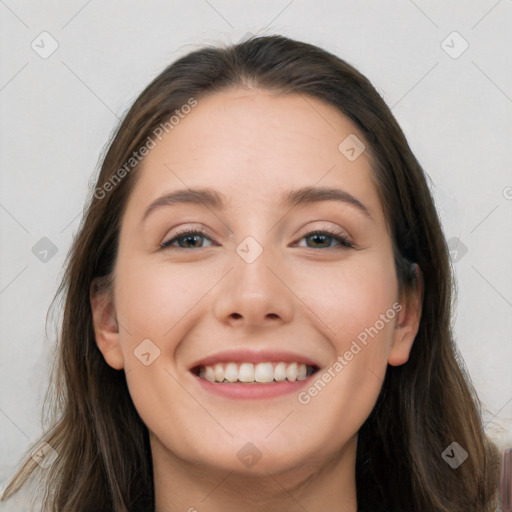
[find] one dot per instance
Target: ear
(106, 329)
(407, 323)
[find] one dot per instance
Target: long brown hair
(104, 459)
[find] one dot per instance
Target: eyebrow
(216, 200)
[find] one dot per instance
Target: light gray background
(58, 112)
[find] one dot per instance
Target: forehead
(261, 125)
(255, 145)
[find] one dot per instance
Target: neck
(316, 487)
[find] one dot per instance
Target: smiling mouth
(249, 373)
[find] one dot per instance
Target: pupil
(316, 237)
(190, 239)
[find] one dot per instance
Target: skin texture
(301, 294)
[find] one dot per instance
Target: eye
(321, 235)
(188, 236)
(187, 239)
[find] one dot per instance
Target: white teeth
(264, 372)
(280, 372)
(231, 373)
(219, 372)
(291, 372)
(246, 372)
(261, 372)
(301, 372)
(209, 374)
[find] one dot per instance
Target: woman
(258, 305)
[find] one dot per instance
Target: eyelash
(336, 235)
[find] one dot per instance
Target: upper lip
(252, 356)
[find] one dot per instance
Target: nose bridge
(257, 249)
(253, 292)
(255, 267)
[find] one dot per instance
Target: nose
(255, 293)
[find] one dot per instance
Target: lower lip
(252, 391)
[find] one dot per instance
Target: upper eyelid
(206, 231)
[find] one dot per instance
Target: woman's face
(261, 285)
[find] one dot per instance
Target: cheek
(151, 298)
(351, 297)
